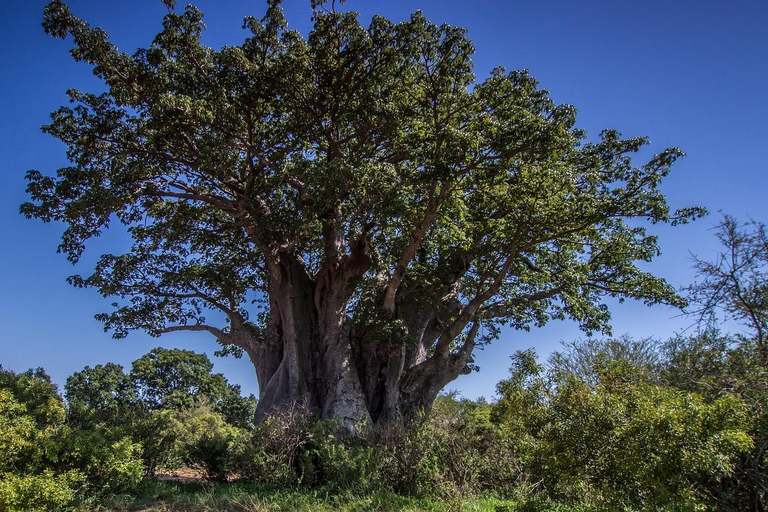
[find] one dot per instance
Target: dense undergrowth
(605, 425)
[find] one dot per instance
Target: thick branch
(410, 251)
(453, 330)
(220, 335)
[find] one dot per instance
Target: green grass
(196, 497)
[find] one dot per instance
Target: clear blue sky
(687, 73)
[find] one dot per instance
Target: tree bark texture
(310, 355)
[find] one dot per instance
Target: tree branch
(390, 291)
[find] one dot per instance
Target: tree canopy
(162, 379)
(355, 203)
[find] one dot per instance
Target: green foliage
(31, 422)
(31, 414)
(343, 462)
(590, 357)
(206, 442)
(148, 407)
(103, 394)
(108, 458)
(625, 443)
(17, 432)
(447, 455)
(44, 460)
(37, 393)
(119, 428)
(473, 456)
(175, 378)
(157, 432)
(714, 365)
(38, 492)
(683, 433)
(273, 453)
(178, 379)
(414, 460)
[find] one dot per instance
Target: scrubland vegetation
(640, 425)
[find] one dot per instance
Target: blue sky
(686, 73)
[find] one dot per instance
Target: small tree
(587, 358)
(151, 403)
(378, 201)
(735, 284)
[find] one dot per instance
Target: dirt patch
(182, 475)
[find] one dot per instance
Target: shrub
(46, 491)
(205, 441)
(455, 451)
(157, 433)
(272, 454)
(31, 421)
(713, 364)
(110, 461)
(411, 459)
(624, 443)
(150, 404)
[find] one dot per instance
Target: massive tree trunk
(310, 355)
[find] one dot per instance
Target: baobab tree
(359, 207)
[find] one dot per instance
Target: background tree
(102, 394)
(379, 203)
(735, 284)
(588, 358)
(174, 379)
(162, 379)
(167, 394)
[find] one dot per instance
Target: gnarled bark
(309, 354)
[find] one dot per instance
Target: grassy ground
(197, 497)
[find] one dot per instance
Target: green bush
(476, 456)
(454, 452)
(623, 444)
(205, 441)
(150, 404)
(111, 462)
(31, 423)
(46, 491)
(335, 457)
(157, 432)
(412, 459)
(272, 454)
(712, 364)
(17, 433)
